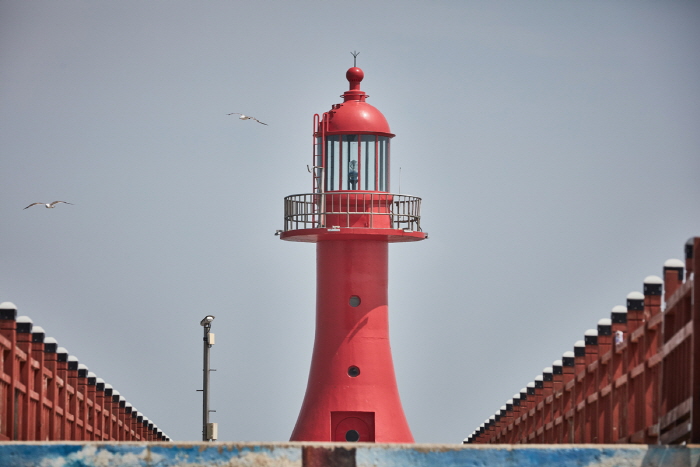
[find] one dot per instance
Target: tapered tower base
(352, 393)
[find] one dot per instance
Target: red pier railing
(634, 379)
(47, 395)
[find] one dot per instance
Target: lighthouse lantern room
(352, 216)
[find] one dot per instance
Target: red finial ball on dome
(355, 75)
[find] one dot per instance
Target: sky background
(555, 145)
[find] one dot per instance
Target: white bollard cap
(648, 280)
(674, 263)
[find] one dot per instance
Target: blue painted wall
(61, 454)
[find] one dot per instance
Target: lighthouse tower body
(352, 217)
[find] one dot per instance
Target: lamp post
(209, 430)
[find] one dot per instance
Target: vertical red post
(73, 406)
(618, 318)
(26, 404)
(125, 417)
(524, 416)
(557, 404)
(117, 431)
(502, 425)
(530, 407)
(591, 386)
(51, 364)
(489, 429)
(569, 396)
(151, 433)
(93, 408)
(509, 420)
(635, 366)
(109, 413)
(144, 429)
(111, 421)
(547, 400)
(579, 391)
(692, 248)
(497, 427)
(119, 407)
(135, 425)
(653, 341)
(139, 426)
(83, 406)
(519, 409)
(537, 427)
(8, 330)
(41, 411)
(479, 435)
(128, 408)
(605, 343)
(63, 406)
(513, 434)
(101, 421)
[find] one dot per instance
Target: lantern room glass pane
(369, 163)
(333, 163)
(383, 163)
(350, 171)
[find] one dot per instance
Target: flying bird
(246, 117)
(48, 205)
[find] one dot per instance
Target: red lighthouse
(352, 216)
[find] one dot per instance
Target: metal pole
(205, 409)
(208, 341)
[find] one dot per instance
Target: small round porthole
(352, 436)
(354, 301)
(353, 371)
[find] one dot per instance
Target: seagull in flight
(48, 205)
(246, 117)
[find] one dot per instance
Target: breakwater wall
(173, 454)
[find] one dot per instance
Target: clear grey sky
(556, 147)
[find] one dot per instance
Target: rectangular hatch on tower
(352, 427)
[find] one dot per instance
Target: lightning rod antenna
(354, 58)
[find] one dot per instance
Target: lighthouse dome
(355, 115)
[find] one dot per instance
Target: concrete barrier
(75, 454)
